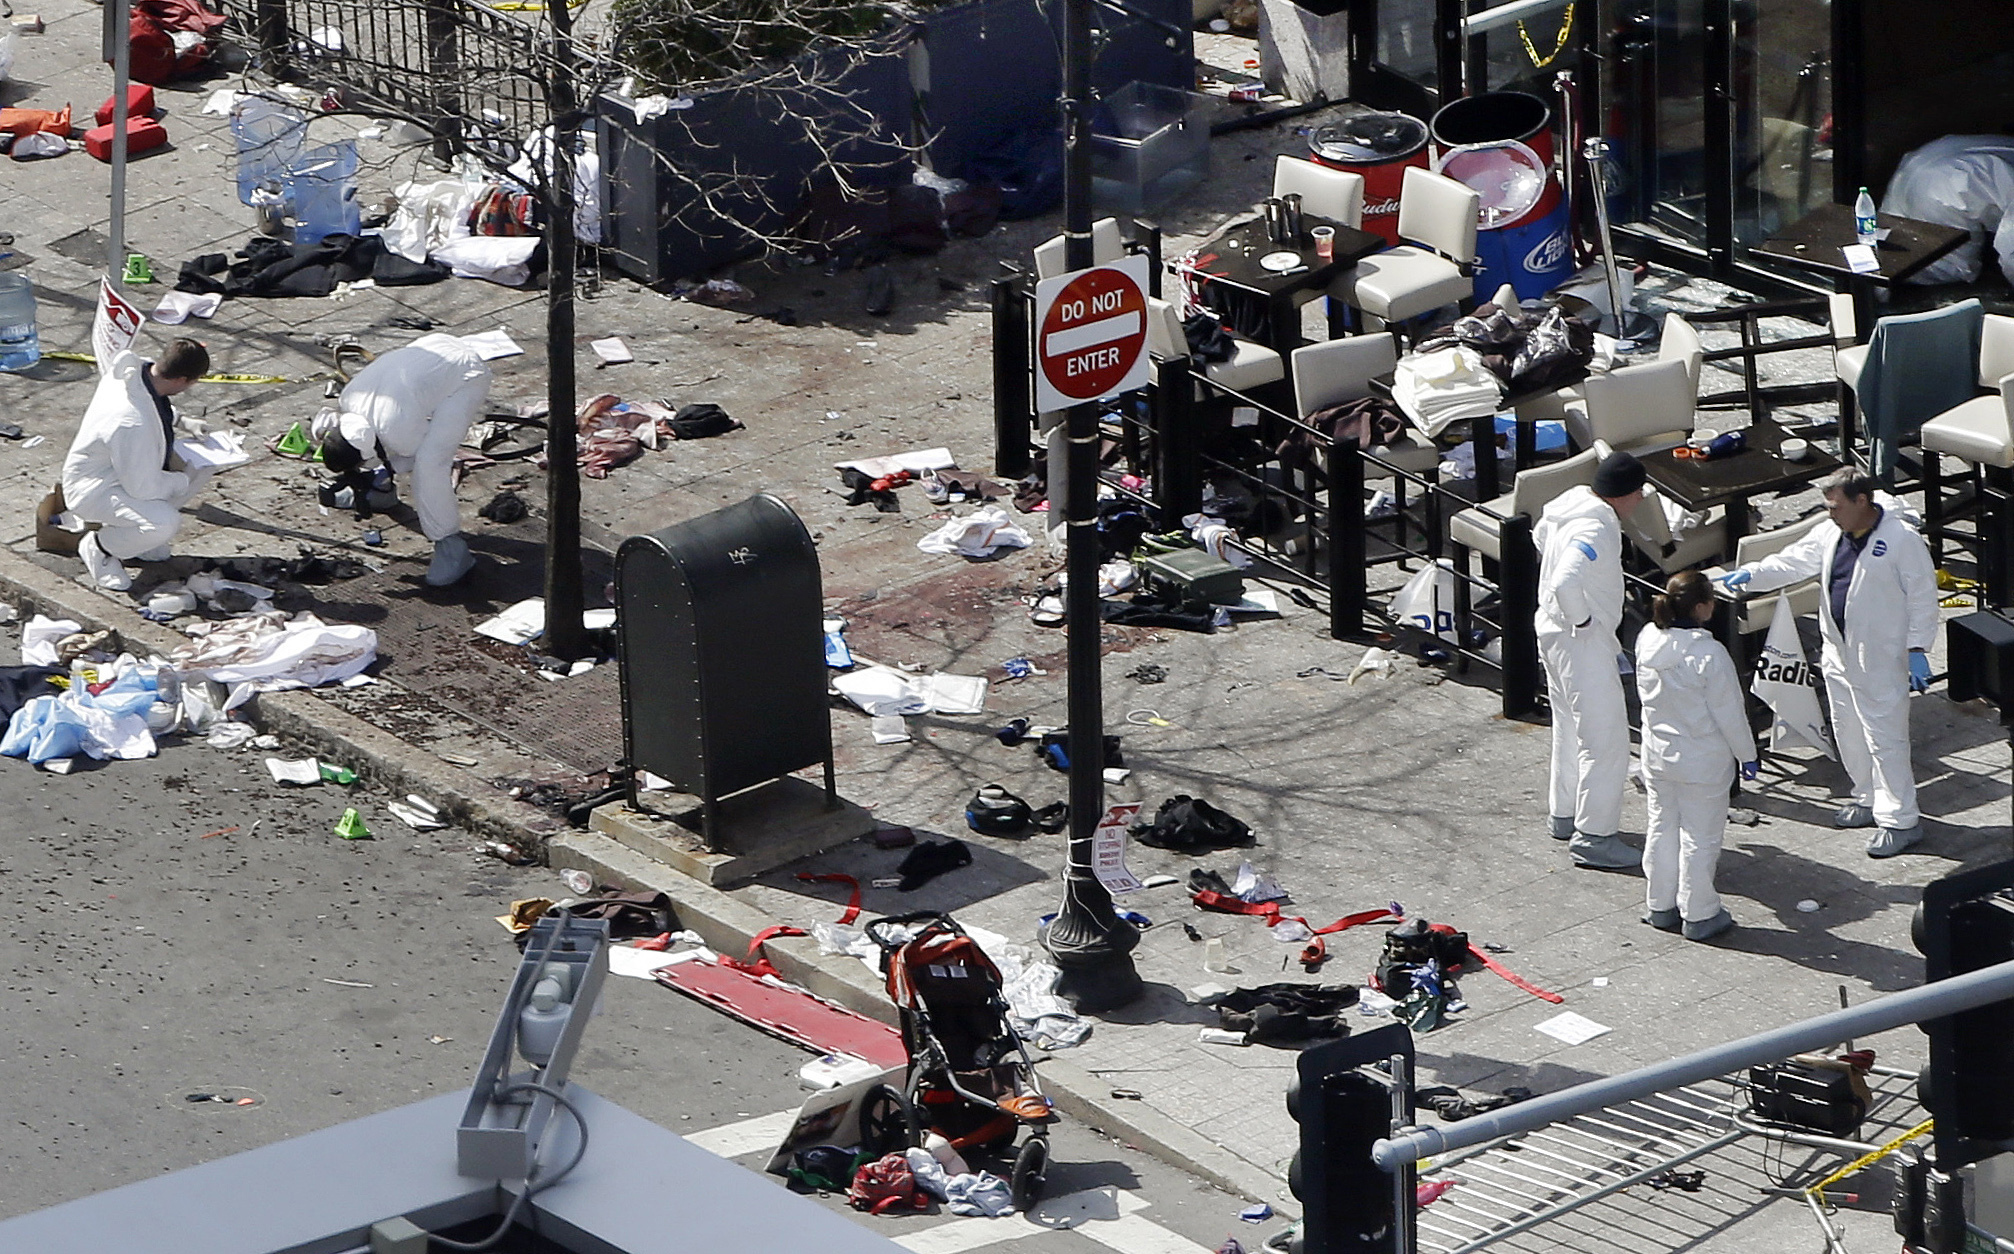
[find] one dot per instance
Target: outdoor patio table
(1259, 303)
(1483, 432)
(1698, 484)
(1814, 242)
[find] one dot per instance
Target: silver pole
(118, 33)
(1933, 1001)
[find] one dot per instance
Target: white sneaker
(104, 569)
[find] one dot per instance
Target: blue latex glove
(1749, 770)
(1735, 579)
(1919, 672)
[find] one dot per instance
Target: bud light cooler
(1522, 235)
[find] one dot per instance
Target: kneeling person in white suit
(122, 474)
(1695, 733)
(407, 412)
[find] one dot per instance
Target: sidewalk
(1408, 788)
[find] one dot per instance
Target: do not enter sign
(1091, 334)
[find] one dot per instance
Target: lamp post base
(1097, 971)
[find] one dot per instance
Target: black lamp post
(1091, 945)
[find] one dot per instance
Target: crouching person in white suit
(407, 412)
(1695, 733)
(121, 473)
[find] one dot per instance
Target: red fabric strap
(1516, 980)
(756, 964)
(1315, 950)
(834, 877)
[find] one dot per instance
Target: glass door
(1782, 153)
(1675, 160)
(1392, 58)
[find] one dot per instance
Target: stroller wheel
(887, 1121)
(1031, 1164)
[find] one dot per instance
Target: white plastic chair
(1249, 366)
(1437, 215)
(1337, 195)
(1106, 246)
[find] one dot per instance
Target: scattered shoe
(1562, 828)
(1886, 842)
(452, 561)
(1603, 853)
(1853, 814)
(1664, 920)
(1707, 929)
(104, 569)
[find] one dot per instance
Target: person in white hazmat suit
(1695, 733)
(406, 413)
(121, 472)
(1878, 618)
(1963, 181)
(1579, 539)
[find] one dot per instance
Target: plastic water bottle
(1863, 218)
(20, 345)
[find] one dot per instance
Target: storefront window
(1783, 116)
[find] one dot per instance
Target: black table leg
(1482, 434)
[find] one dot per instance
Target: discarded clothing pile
(22, 684)
(614, 432)
(909, 1180)
(170, 38)
(1287, 1014)
(1450, 1105)
(1527, 352)
(115, 718)
(266, 651)
(309, 568)
(267, 267)
(1188, 824)
(980, 534)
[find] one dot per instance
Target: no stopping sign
(1091, 334)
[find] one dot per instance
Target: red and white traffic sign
(115, 326)
(1091, 334)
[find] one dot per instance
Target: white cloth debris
(979, 534)
(1215, 535)
(520, 624)
(929, 1173)
(983, 1194)
(269, 652)
(879, 692)
(429, 215)
(111, 723)
(503, 259)
(229, 735)
(1255, 886)
(1029, 987)
(413, 817)
(1440, 388)
(915, 461)
(179, 307)
(306, 772)
(39, 636)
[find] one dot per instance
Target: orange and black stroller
(971, 1079)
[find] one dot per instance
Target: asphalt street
(327, 979)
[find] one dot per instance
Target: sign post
(1091, 334)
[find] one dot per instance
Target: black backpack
(1190, 825)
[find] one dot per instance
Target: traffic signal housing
(1349, 1204)
(1966, 922)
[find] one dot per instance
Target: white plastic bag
(1427, 601)
(10, 44)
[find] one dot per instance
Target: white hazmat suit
(1579, 541)
(1891, 608)
(1695, 733)
(409, 410)
(116, 474)
(1963, 181)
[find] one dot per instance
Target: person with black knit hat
(1579, 539)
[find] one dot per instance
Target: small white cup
(1794, 450)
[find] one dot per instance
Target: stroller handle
(914, 916)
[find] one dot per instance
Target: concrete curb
(330, 732)
(726, 924)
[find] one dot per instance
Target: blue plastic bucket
(323, 183)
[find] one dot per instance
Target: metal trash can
(722, 651)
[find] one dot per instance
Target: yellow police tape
(1872, 1157)
(208, 378)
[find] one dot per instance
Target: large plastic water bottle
(20, 345)
(1863, 219)
(269, 136)
(323, 187)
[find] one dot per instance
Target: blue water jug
(268, 136)
(20, 345)
(323, 187)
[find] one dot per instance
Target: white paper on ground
(889, 729)
(639, 963)
(915, 461)
(519, 624)
(597, 620)
(879, 691)
(1572, 1028)
(612, 350)
(954, 694)
(178, 307)
(413, 816)
(1257, 601)
(305, 772)
(219, 450)
(491, 345)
